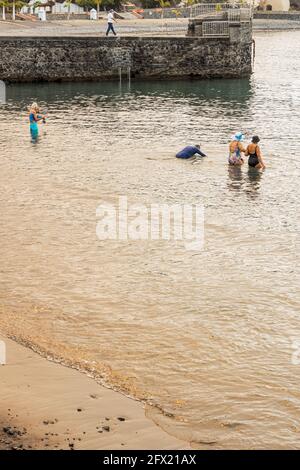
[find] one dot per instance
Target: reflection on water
(205, 336)
(254, 179)
(236, 90)
(248, 181)
(236, 178)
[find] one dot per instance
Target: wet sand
(48, 406)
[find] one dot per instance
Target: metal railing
(198, 9)
(239, 15)
(215, 29)
(246, 13)
(216, 19)
(218, 9)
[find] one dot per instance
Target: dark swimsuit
(253, 159)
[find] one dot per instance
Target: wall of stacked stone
(277, 15)
(92, 58)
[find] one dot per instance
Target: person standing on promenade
(110, 22)
(236, 149)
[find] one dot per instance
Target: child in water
(34, 118)
(255, 159)
(236, 149)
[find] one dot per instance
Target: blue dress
(34, 128)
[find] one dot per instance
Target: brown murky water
(206, 336)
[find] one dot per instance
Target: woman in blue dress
(34, 118)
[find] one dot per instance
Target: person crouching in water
(236, 149)
(34, 118)
(255, 159)
(190, 151)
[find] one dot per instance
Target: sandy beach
(48, 406)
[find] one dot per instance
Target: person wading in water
(255, 159)
(236, 149)
(34, 118)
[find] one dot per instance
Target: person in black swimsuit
(255, 159)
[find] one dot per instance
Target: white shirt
(110, 18)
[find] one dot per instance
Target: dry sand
(45, 405)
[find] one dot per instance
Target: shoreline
(50, 406)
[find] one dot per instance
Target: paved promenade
(92, 28)
(126, 27)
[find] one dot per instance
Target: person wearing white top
(110, 21)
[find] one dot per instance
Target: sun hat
(239, 136)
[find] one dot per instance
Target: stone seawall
(277, 15)
(97, 58)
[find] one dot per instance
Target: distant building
(275, 5)
(53, 7)
(128, 6)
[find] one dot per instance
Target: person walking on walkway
(110, 22)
